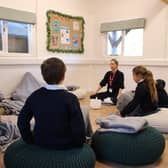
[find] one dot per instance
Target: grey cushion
(85, 111)
(124, 99)
(27, 85)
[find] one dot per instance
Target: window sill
(126, 62)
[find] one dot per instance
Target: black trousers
(103, 95)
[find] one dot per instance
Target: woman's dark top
(113, 81)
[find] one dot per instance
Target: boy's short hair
(53, 70)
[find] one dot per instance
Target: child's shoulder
(70, 95)
(41, 89)
(61, 93)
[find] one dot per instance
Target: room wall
(20, 5)
(155, 34)
(88, 68)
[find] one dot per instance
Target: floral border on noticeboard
(65, 33)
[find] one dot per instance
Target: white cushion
(159, 120)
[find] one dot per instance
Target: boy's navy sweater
(58, 118)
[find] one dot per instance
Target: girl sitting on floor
(145, 99)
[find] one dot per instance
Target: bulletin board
(65, 33)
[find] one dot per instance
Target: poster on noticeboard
(65, 33)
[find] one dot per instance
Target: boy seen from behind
(58, 118)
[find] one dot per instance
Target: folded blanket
(114, 123)
(11, 106)
(8, 132)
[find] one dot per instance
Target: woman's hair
(53, 70)
(148, 77)
(115, 61)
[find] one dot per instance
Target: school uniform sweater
(142, 99)
(162, 97)
(58, 118)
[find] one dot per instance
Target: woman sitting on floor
(114, 79)
(145, 99)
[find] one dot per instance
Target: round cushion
(22, 155)
(141, 148)
(158, 120)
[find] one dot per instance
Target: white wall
(88, 68)
(29, 5)
(155, 12)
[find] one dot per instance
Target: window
(18, 37)
(114, 39)
(15, 37)
(124, 37)
(127, 42)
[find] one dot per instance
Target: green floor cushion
(22, 155)
(141, 148)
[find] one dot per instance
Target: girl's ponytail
(152, 85)
(148, 77)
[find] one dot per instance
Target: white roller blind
(17, 15)
(122, 25)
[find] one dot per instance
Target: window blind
(17, 15)
(122, 25)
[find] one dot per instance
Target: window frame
(2, 35)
